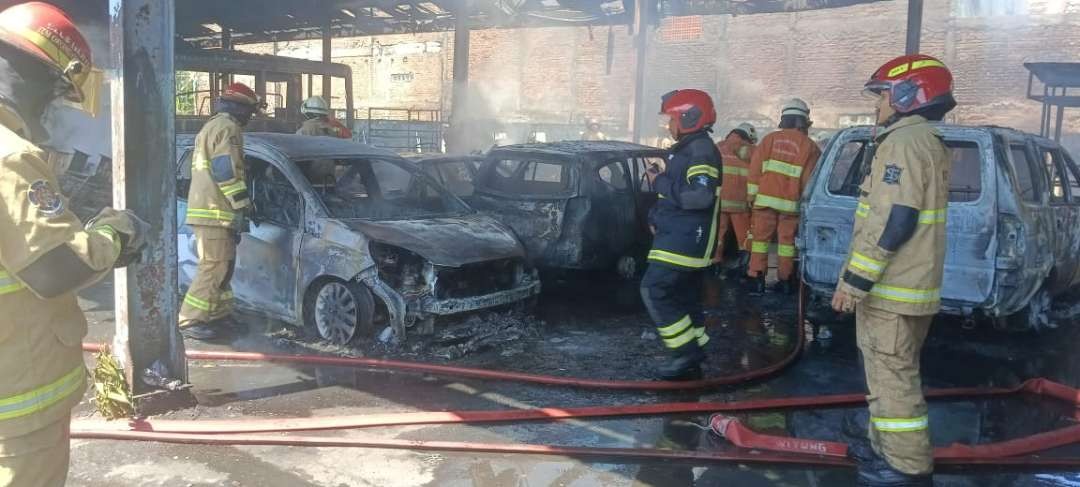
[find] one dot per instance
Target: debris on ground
(301, 341)
(111, 393)
(157, 375)
(481, 332)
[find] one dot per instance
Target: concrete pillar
(914, 25)
(327, 51)
(144, 155)
(460, 101)
(637, 109)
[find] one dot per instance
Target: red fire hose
(473, 373)
(756, 447)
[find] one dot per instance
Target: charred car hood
(449, 241)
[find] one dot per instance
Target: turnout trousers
(766, 224)
(739, 222)
(890, 344)
(36, 459)
(210, 296)
(673, 300)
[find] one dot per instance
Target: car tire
(340, 312)
(628, 267)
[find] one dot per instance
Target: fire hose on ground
(753, 447)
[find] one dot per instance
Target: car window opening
(965, 180)
(377, 190)
(516, 176)
(275, 198)
(1025, 183)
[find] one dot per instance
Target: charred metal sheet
(213, 61)
(579, 148)
(445, 241)
(395, 304)
(538, 223)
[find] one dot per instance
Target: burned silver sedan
(347, 239)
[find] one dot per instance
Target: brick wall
(750, 64)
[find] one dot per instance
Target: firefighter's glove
(846, 297)
(243, 225)
(130, 230)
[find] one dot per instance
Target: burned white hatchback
(347, 238)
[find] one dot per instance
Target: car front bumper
(461, 305)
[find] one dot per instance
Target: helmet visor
(83, 92)
(874, 89)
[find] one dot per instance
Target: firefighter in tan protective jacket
(218, 203)
(892, 277)
(46, 254)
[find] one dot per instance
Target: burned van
(1013, 222)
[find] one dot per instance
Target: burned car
(346, 238)
(574, 204)
(1013, 222)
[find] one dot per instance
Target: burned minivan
(574, 204)
(1013, 222)
(346, 238)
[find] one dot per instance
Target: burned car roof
(578, 147)
(304, 147)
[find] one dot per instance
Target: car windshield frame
(574, 163)
(404, 165)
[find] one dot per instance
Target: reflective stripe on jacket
(736, 170)
(898, 245)
(780, 169)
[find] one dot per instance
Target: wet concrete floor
(582, 328)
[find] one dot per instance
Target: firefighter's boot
(683, 365)
(785, 287)
(742, 259)
(200, 331)
(873, 471)
(757, 284)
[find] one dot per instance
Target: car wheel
(340, 311)
(627, 267)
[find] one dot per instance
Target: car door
(1072, 177)
(1029, 180)
(645, 195)
(614, 207)
(187, 260)
(1066, 215)
(265, 277)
